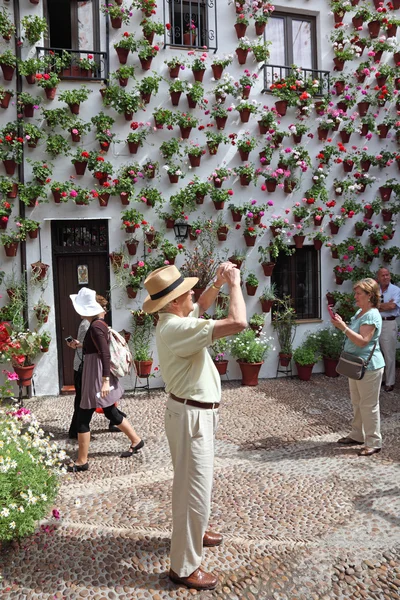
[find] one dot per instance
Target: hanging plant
(34, 28)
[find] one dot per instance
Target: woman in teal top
(362, 333)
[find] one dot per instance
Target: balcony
(75, 71)
(275, 72)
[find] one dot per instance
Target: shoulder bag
(353, 366)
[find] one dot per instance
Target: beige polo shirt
(186, 366)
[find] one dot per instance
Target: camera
(69, 339)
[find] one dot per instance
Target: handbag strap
(371, 353)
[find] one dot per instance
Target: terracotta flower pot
(122, 55)
(198, 75)
(103, 199)
(132, 247)
(133, 147)
(189, 38)
(11, 249)
(262, 128)
(30, 79)
(322, 134)
(244, 154)
(348, 166)
(33, 233)
(345, 136)
(29, 110)
(50, 93)
(339, 64)
(217, 71)
(236, 216)
(304, 371)
(222, 233)
(242, 55)
(194, 160)
(281, 107)
(116, 23)
(334, 228)
(250, 240)
(240, 29)
(146, 63)
(174, 71)
(6, 100)
(363, 108)
(299, 240)
(245, 115)
(251, 289)
(385, 193)
(199, 198)
(173, 178)
(169, 223)
(131, 292)
(268, 268)
(373, 29)
(191, 103)
(218, 205)
(8, 72)
(260, 28)
(185, 132)
(80, 167)
(56, 196)
(212, 148)
(74, 108)
(14, 191)
(266, 305)
(221, 122)
(284, 359)
(221, 366)
(175, 97)
(10, 166)
(250, 372)
(330, 365)
(24, 375)
(245, 179)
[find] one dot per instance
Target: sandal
(369, 451)
(347, 441)
(74, 468)
(132, 450)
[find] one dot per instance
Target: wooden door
(76, 266)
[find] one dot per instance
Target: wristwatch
(106, 378)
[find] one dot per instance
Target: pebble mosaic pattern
(302, 518)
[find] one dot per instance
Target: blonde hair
(370, 287)
(102, 301)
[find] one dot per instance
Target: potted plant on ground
(331, 345)
(305, 356)
(140, 343)
(284, 325)
(250, 352)
(218, 350)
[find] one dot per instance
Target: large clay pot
(143, 367)
(304, 371)
(250, 372)
(330, 366)
(24, 375)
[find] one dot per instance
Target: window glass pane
(188, 17)
(85, 25)
(302, 44)
(275, 33)
(59, 15)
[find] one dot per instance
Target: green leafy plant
(34, 28)
(56, 144)
(249, 348)
(75, 96)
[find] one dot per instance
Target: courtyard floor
(302, 518)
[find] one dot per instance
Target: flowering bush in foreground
(29, 472)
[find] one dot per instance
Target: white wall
(46, 371)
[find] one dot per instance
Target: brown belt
(388, 318)
(204, 405)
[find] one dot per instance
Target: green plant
(163, 116)
(56, 117)
(45, 339)
(257, 320)
(42, 171)
(25, 99)
(169, 148)
(248, 170)
(47, 80)
(102, 121)
(269, 292)
(123, 72)
(127, 41)
(195, 91)
(284, 323)
(219, 111)
(141, 341)
(7, 28)
(247, 105)
(8, 59)
(249, 348)
(131, 218)
(56, 144)
(195, 150)
(174, 169)
(203, 260)
(31, 192)
(223, 62)
(304, 355)
(246, 142)
(34, 27)
(198, 64)
(218, 349)
(150, 196)
(146, 50)
(252, 280)
(115, 11)
(75, 96)
(27, 500)
(185, 119)
(28, 225)
(330, 342)
(148, 26)
(260, 50)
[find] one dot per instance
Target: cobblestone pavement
(302, 518)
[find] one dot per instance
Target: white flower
(12, 525)
(5, 512)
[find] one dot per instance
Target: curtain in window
(302, 43)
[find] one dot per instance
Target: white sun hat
(85, 303)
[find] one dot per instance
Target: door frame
(55, 254)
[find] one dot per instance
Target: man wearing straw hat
(191, 416)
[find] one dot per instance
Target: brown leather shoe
(211, 539)
(198, 580)
(389, 388)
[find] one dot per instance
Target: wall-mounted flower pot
(212, 148)
(386, 215)
(123, 81)
(244, 154)
(260, 28)
(251, 289)
(222, 233)
(339, 64)
(266, 305)
(146, 63)
(218, 205)
(103, 199)
(363, 108)
(345, 136)
(268, 268)
(194, 160)
(299, 240)
(169, 223)
(199, 199)
(74, 108)
(33, 233)
(334, 228)
(174, 71)
(262, 128)
(116, 22)
(10, 166)
(217, 71)
(244, 115)
(348, 166)
(217, 184)
(191, 103)
(289, 186)
(240, 29)
(198, 75)
(13, 192)
(149, 37)
(322, 134)
(42, 316)
(357, 22)
(122, 55)
(383, 131)
(242, 55)
(80, 167)
(368, 213)
(75, 137)
(221, 122)
(29, 110)
(221, 366)
(385, 193)
(304, 371)
(56, 196)
(175, 97)
(50, 93)
(39, 270)
(358, 231)
(236, 215)
(124, 197)
(245, 179)
(132, 247)
(373, 29)
(131, 292)
(185, 132)
(133, 147)
(3, 222)
(250, 372)
(8, 72)
(281, 107)
(6, 100)
(11, 249)
(339, 280)
(250, 240)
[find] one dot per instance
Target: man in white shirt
(390, 310)
(191, 417)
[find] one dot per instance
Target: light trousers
(190, 432)
(388, 343)
(364, 394)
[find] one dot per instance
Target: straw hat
(165, 284)
(85, 303)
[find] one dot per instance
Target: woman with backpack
(100, 388)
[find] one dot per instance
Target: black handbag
(353, 366)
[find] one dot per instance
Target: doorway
(80, 259)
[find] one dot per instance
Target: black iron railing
(273, 73)
(191, 23)
(76, 67)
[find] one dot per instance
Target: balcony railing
(193, 24)
(75, 70)
(273, 73)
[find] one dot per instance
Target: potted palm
(250, 352)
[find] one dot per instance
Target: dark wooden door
(76, 266)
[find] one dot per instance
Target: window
(73, 24)
(298, 276)
(193, 23)
(293, 40)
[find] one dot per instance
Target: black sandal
(368, 451)
(132, 450)
(77, 468)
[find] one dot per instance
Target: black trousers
(73, 428)
(112, 413)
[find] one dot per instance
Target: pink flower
(140, 263)
(73, 193)
(56, 513)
